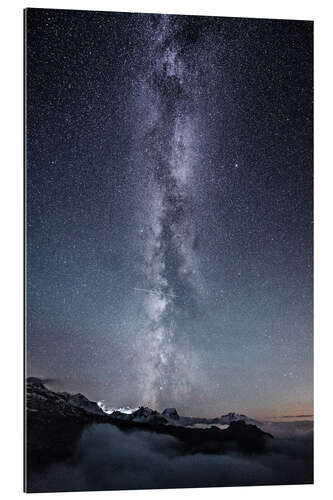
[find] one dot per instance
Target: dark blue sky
(171, 154)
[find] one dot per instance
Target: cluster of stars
(173, 154)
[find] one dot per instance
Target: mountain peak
(35, 381)
(170, 413)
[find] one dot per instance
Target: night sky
(170, 210)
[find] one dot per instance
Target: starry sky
(170, 210)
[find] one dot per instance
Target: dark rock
(121, 416)
(35, 381)
(170, 413)
(147, 415)
(81, 401)
(54, 421)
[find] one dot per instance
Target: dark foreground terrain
(72, 445)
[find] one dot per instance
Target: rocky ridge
(55, 421)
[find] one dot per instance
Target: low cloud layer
(108, 458)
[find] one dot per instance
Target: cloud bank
(109, 459)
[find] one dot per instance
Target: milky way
(169, 210)
(169, 257)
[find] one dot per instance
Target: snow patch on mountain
(127, 410)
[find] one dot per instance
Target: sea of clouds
(108, 458)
